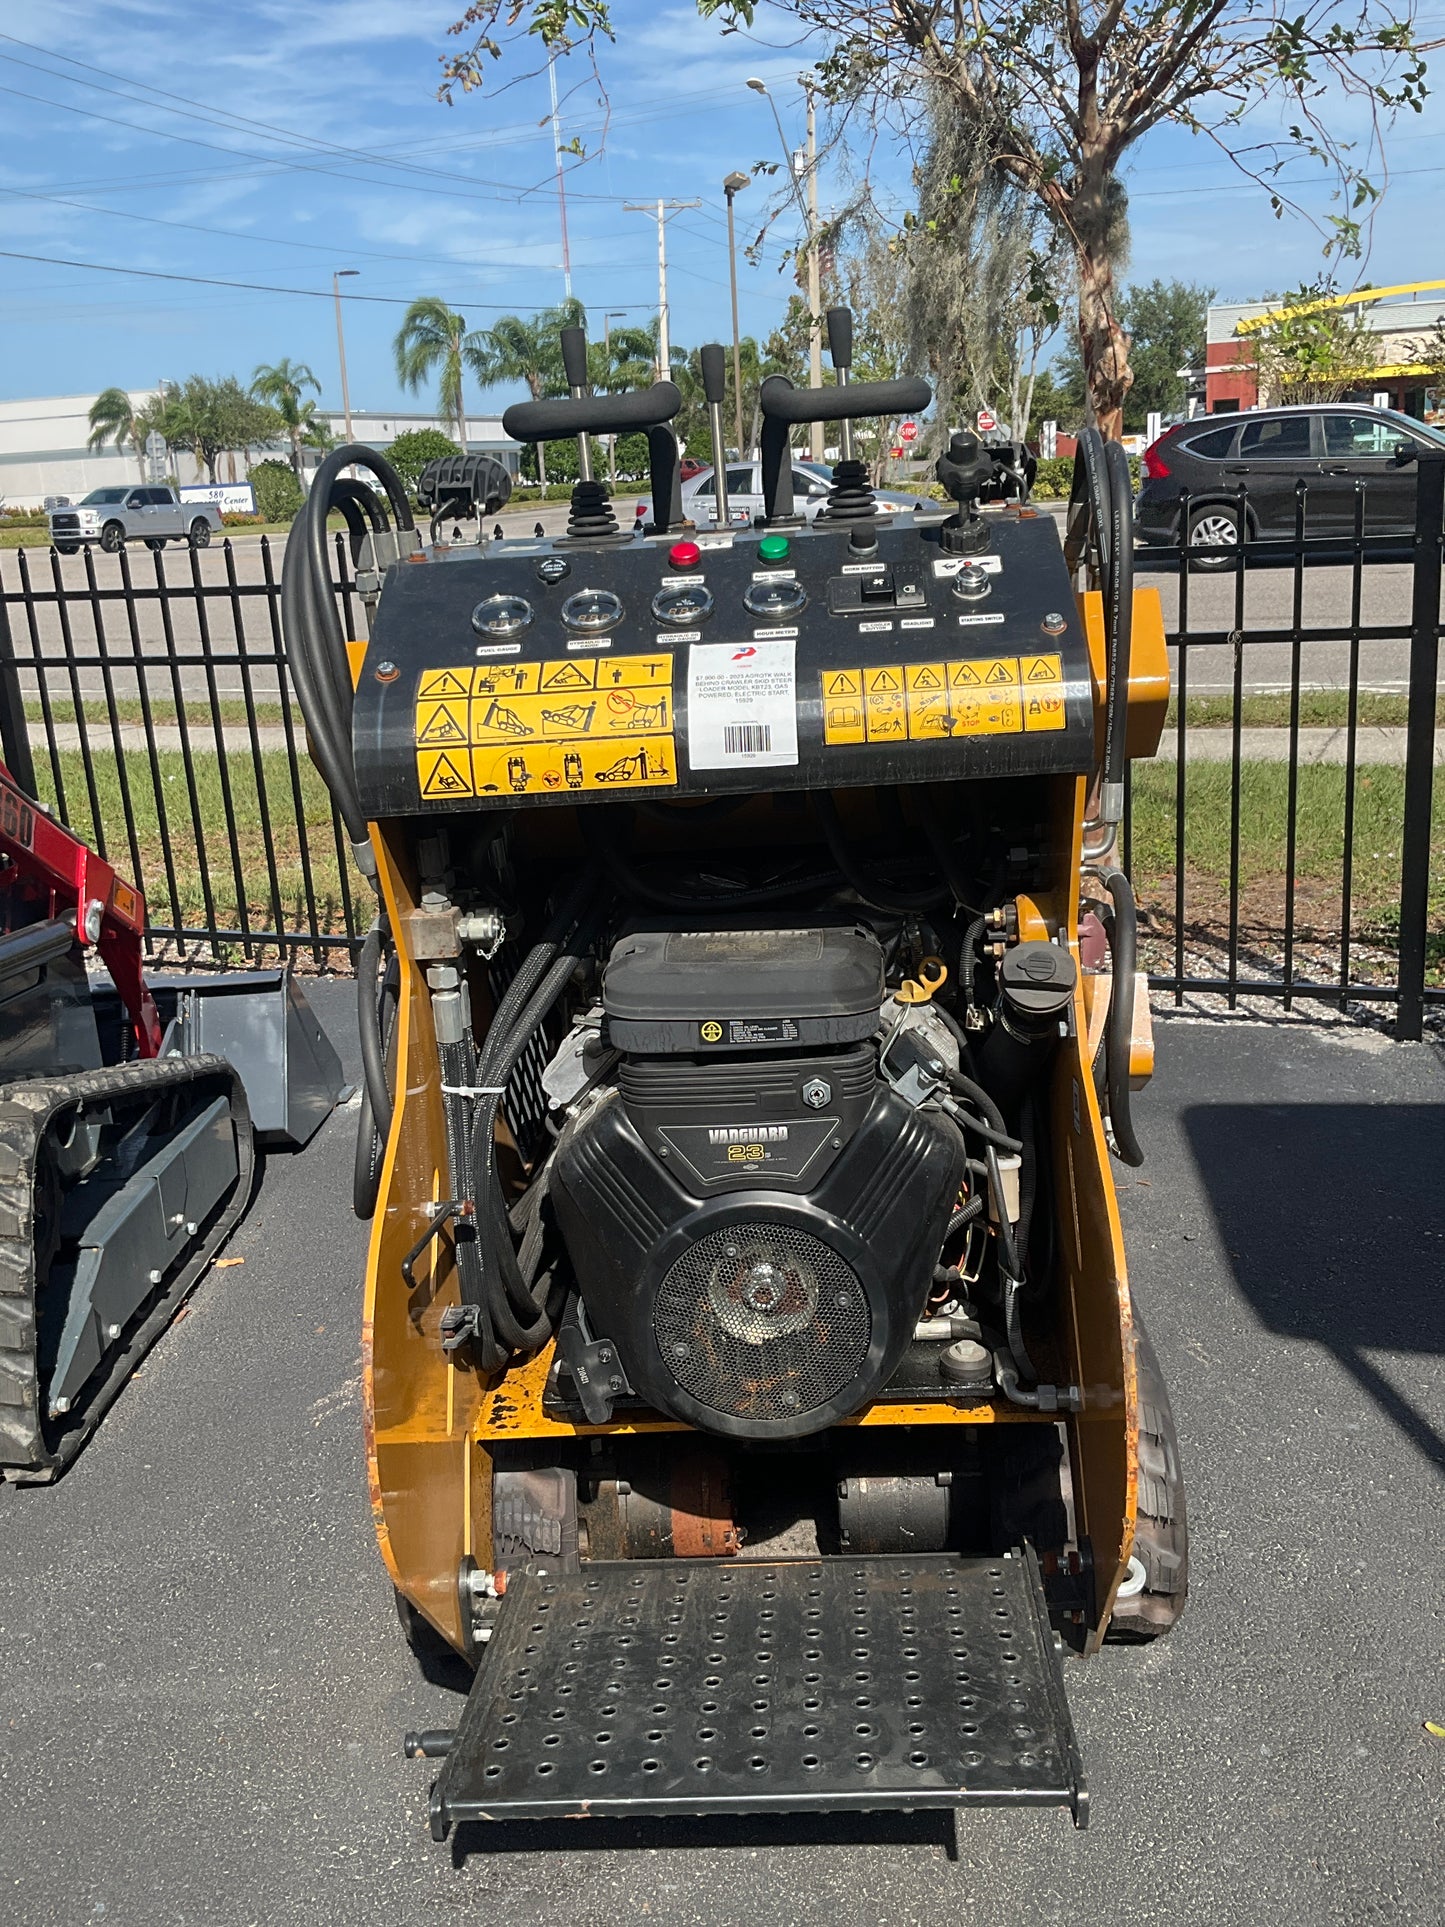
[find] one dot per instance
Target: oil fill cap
(1036, 981)
(773, 548)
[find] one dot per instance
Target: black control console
(862, 648)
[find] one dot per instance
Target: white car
(812, 486)
(114, 516)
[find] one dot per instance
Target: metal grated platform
(695, 1687)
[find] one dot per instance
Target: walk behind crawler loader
(752, 1389)
(130, 1115)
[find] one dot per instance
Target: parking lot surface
(204, 1687)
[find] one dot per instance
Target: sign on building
(155, 456)
(231, 498)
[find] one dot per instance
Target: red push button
(684, 555)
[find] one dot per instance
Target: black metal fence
(1286, 852)
(150, 694)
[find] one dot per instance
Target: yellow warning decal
(933, 702)
(1041, 669)
(554, 768)
(443, 775)
(983, 672)
(494, 729)
(443, 682)
(566, 713)
(440, 723)
(505, 678)
(1043, 705)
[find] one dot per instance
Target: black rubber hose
(1124, 947)
(1119, 612)
(943, 854)
(373, 1046)
(1089, 506)
(962, 1086)
(877, 896)
(377, 1014)
(630, 882)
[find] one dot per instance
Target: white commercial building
(43, 449)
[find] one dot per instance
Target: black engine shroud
(757, 1280)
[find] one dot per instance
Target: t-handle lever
(574, 366)
(714, 388)
(840, 347)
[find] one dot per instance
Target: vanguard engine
(752, 1383)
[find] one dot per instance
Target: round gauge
(775, 601)
(502, 615)
(682, 607)
(592, 611)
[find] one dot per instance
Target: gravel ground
(205, 1687)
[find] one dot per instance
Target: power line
(250, 287)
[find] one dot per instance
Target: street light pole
(613, 314)
(337, 278)
(815, 295)
(733, 184)
(809, 212)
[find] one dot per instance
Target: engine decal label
(945, 565)
(742, 708)
(530, 728)
(933, 702)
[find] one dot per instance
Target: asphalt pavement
(204, 1686)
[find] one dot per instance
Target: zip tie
(474, 1090)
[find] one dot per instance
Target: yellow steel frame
(430, 1426)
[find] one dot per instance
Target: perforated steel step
(696, 1687)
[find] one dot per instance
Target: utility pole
(733, 185)
(613, 314)
(561, 178)
(815, 297)
(660, 211)
(336, 280)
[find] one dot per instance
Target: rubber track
(28, 1109)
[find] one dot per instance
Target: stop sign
(908, 432)
(987, 422)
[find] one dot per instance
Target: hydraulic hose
(376, 1009)
(1124, 948)
(876, 896)
(630, 882)
(1118, 629)
(311, 622)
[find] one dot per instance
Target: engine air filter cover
(718, 991)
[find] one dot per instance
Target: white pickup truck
(115, 516)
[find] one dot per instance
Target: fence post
(14, 731)
(1420, 745)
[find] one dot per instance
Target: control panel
(691, 664)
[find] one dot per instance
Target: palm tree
(434, 340)
(281, 384)
(115, 418)
(625, 359)
(529, 350)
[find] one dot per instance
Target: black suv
(1268, 452)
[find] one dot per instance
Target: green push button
(773, 548)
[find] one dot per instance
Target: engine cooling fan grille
(762, 1321)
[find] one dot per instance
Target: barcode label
(747, 739)
(742, 711)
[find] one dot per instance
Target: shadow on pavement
(1331, 1217)
(754, 1832)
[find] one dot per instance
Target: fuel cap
(1036, 981)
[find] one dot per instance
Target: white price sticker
(741, 705)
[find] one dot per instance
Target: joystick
(852, 499)
(589, 514)
(965, 469)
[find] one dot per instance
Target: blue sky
(227, 165)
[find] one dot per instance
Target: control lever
(965, 470)
(714, 388)
(574, 366)
(784, 407)
(840, 349)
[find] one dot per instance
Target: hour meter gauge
(775, 601)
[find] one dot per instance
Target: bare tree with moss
(1062, 90)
